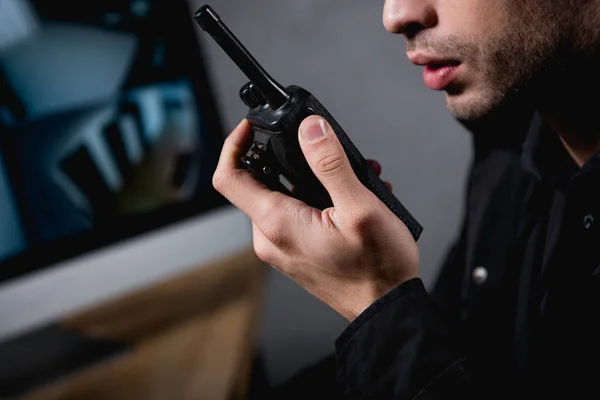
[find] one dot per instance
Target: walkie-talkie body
(274, 155)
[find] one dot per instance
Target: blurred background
(112, 116)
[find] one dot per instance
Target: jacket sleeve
(403, 347)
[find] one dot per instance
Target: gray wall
(339, 50)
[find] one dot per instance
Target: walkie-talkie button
(251, 96)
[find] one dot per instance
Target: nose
(408, 17)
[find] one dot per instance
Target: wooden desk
(192, 336)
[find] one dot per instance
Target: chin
(471, 105)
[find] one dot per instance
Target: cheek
(475, 20)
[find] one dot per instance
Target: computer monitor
(109, 136)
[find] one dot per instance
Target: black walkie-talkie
(274, 156)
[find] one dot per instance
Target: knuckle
(275, 233)
(330, 165)
(263, 251)
(272, 227)
(219, 181)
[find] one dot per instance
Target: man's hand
(348, 255)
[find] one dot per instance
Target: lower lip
(439, 78)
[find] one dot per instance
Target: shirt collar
(544, 155)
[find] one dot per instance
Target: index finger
(234, 145)
(245, 192)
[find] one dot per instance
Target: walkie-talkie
(274, 155)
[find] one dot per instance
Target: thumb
(328, 161)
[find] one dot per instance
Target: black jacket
(515, 310)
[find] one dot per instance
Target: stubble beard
(511, 65)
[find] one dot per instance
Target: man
(515, 311)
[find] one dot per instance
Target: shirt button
(480, 275)
(588, 221)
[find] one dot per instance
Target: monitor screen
(108, 126)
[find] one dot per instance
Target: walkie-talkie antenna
(209, 20)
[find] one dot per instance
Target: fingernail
(314, 130)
